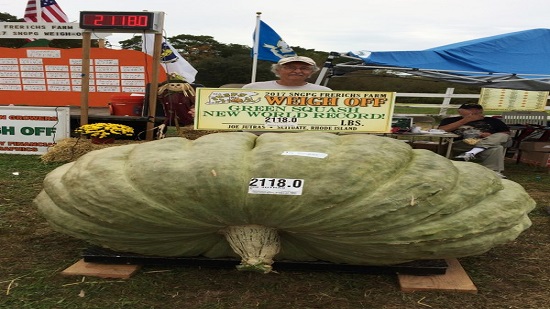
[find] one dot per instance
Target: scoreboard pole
(155, 26)
(85, 86)
(154, 87)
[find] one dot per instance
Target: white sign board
(50, 31)
(512, 100)
(32, 130)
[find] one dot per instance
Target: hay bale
(189, 133)
(70, 149)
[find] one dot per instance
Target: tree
(12, 43)
(132, 43)
(216, 62)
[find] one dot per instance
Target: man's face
(470, 111)
(295, 71)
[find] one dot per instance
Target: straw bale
(189, 133)
(70, 149)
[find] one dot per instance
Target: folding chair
(527, 125)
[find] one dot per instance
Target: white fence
(446, 103)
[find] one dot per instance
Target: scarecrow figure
(178, 101)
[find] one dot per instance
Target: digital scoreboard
(122, 21)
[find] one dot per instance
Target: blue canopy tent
(517, 60)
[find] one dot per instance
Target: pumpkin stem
(256, 244)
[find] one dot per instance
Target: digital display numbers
(119, 20)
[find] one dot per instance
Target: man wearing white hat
(293, 73)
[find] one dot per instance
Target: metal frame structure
(538, 82)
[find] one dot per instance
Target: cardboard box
(536, 158)
(535, 146)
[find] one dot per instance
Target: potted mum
(104, 133)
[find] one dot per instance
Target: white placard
(78, 69)
(107, 75)
(319, 155)
(107, 82)
(31, 61)
(58, 88)
(34, 87)
(133, 89)
(32, 67)
(9, 81)
(107, 89)
(9, 74)
(57, 68)
(132, 69)
(8, 61)
(277, 186)
(79, 88)
(106, 69)
(106, 62)
(6, 67)
(33, 74)
(53, 81)
(10, 87)
(132, 82)
(57, 74)
(132, 76)
(34, 81)
(40, 53)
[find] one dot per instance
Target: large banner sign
(44, 30)
(31, 130)
(289, 110)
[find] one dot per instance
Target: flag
(171, 60)
(49, 12)
(271, 46)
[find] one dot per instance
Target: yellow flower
(103, 130)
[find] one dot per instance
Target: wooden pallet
(82, 268)
(455, 279)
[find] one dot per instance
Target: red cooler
(126, 105)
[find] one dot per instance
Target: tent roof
(519, 60)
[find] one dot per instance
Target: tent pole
(326, 66)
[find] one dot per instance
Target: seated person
(488, 146)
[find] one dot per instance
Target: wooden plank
(454, 280)
(82, 268)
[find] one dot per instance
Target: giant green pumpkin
(365, 200)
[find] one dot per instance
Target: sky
(340, 26)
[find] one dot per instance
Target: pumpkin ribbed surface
(370, 200)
